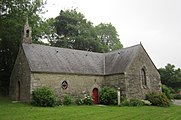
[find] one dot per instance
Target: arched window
(143, 77)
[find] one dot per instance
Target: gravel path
(177, 102)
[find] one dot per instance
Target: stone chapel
(77, 72)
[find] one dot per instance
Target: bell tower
(27, 33)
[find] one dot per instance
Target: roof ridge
(123, 48)
(84, 50)
(64, 48)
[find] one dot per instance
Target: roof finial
(27, 23)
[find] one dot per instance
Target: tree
(108, 35)
(13, 14)
(170, 76)
(49, 32)
(76, 32)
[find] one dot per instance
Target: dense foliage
(67, 100)
(176, 96)
(167, 91)
(171, 76)
(132, 102)
(171, 80)
(158, 99)
(108, 96)
(74, 31)
(13, 14)
(44, 97)
(108, 36)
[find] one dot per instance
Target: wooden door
(95, 96)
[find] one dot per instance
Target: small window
(143, 77)
(27, 33)
(64, 84)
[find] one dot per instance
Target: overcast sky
(154, 23)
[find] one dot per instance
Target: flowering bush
(87, 100)
(79, 101)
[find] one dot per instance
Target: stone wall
(135, 88)
(21, 74)
(77, 84)
(116, 81)
(129, 82)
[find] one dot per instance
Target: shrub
(132, 102)
(108, 96)
(79, 101)
(158, 99)
(167, 91)
(177, 96)
(67, 100)
(146, 102)
(178, 91)
(44, 96)
(59, 102)
(87, 100)
(136, 102)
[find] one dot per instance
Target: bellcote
(27, 38)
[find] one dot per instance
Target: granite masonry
(76, 72)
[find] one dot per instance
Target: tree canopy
(74, 31)
(171, 76)
(108, 35)
(13, 14)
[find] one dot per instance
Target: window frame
(143, 76)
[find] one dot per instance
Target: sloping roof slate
(118, 61)
(52, 59)
(61, 60)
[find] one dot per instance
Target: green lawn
(19, 111)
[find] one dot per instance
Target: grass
(20, 111)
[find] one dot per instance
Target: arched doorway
(18, 92)
(95, 96)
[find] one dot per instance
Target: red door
(95, 96)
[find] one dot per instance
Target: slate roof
(43, 58)
(118, 61)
